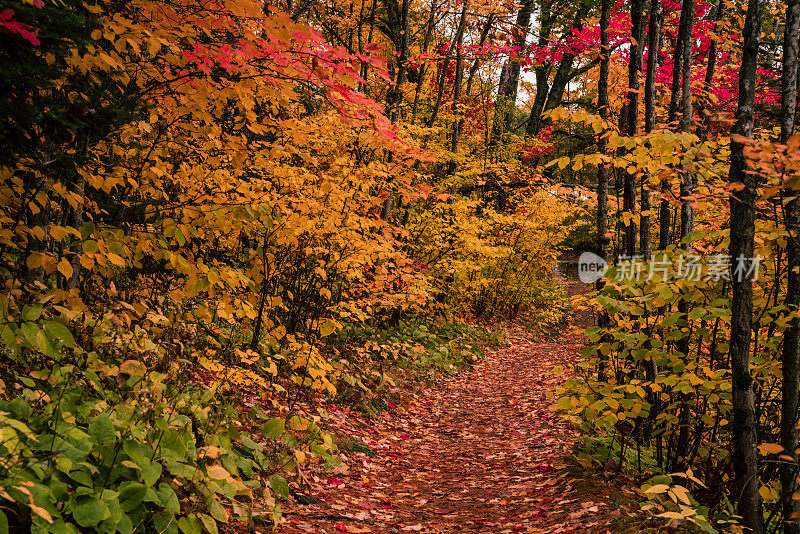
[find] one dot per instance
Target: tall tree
(394, 96)
(423, 69)
(653, 46)
(791, 338)
(457, 90)
(711, 66)
(687, 185)
(602, 141)
(744, 439)
(634, 69)
(462, 24)
(683, 40)
(509, 80)
(550, 95)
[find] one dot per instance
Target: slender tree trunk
(402, 65)
(687, 181)
(423, 69)
(457, 92)
(602, 170)
(395, 97)
(634, 69)
(475, 64)
(687, 13)
(445, 64)
(791, 338)
(364, 65)
(744, 439)
(677, 70)
(653, 44)
(711, 67)
(507, 91)
(76, 221)
(602, 142)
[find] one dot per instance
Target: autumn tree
(742, 209)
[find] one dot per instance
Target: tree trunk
(791, 338)
(711, 66)
(634, 69)
(424, 67)
(550, 96)
(507, 91)
(653, 44)
(687, 13)
(677, 69)
(76, 221)
(602, 169)
(687, 185)
(445, 64)
(457, 91)
(602, 142)
(744, 439)
(395, 96)
(475, 64)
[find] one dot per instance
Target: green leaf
(217, 511)
(90, 512)
(44, 345)
(31, 313)
(273, 428)
(249, 443)
(209, 523)
(9, 340)
(59, 331)
(29, 331)
(124, 525)
(101, 429)
(164, 521)
(3, 523)
(60, 527)
(279, 486)
(131, 495)
(190, 525)
(151, 473)
(168, 498)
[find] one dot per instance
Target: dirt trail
(480, 452)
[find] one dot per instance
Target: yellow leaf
(41, 512)
(65, 268)
(217, 472)
(770, 448)
(35, 260)
(133, 367)
(209, 451)
(327, 328)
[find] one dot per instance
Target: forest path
(479, 452)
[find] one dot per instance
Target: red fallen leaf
(340, 527)
(335, 481)
(518, 527)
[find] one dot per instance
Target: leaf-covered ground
(480, 452)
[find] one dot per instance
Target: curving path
(480, 452)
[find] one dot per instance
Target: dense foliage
(208, 219)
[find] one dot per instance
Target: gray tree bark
(744, 439)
